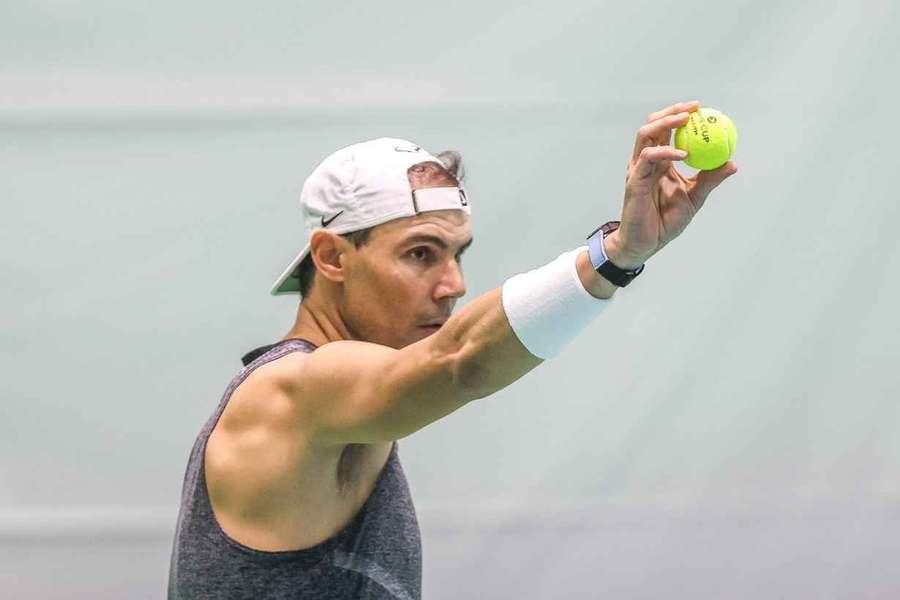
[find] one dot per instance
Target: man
(294, 488)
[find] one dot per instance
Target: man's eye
(420, 254)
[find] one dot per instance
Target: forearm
(502, 335)
(486, 353)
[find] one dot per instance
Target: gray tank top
(378, 555)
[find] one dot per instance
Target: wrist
(595, 284)
(612, 245)
(547, 307)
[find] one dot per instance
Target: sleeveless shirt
(377, 556)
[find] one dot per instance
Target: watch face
(608, 227)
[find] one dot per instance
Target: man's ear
(326, 249)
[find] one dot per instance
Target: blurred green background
(729, 428)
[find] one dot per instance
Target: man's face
(405, 280)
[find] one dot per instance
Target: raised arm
(362, 392)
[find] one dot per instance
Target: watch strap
(601, 262)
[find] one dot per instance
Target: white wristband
(548, 307)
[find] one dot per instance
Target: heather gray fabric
(377, 556)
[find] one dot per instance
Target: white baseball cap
(361, 186)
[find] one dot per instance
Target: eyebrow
(433, 239)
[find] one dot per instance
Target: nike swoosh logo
(407, 149)
(326, 223)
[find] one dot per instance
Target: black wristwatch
(601, 263)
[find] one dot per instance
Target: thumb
(706, 181)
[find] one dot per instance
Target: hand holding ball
(709, 138)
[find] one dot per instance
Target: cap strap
(441, 198)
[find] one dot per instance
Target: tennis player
(294, 488)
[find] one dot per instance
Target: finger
(654, 161)
(674, 109)
(658, 132)
(706, 181)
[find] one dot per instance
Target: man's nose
(452, 283)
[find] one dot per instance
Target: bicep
(358, 392)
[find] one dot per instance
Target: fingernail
(682, 153)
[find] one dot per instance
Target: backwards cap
(361, 186)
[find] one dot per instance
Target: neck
(319, 322)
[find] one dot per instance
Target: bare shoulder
(271, 487)
(281, 395)
(264, 398)
(296, 379)
(259, 439)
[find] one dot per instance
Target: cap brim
(288, 282)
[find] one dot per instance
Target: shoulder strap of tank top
(296, 343)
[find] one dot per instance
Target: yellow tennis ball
(709, 138)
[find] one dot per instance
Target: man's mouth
(433, 325)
